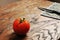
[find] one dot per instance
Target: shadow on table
(13, 36)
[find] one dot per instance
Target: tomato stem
(21, 20)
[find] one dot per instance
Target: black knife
(50, 11)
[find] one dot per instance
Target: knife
(50, 11)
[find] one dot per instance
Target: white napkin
(54, 6)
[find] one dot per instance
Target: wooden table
(15, 10)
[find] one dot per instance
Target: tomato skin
(21, 28)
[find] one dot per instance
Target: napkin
(55, 6)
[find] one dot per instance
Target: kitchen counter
(10, 12)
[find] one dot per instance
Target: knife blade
(50, 11)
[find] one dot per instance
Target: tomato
(21, 26)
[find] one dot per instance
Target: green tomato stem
(21, 20)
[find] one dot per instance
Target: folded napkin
(54, 6)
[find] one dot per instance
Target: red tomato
(21, 27)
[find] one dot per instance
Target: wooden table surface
(10, 12)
